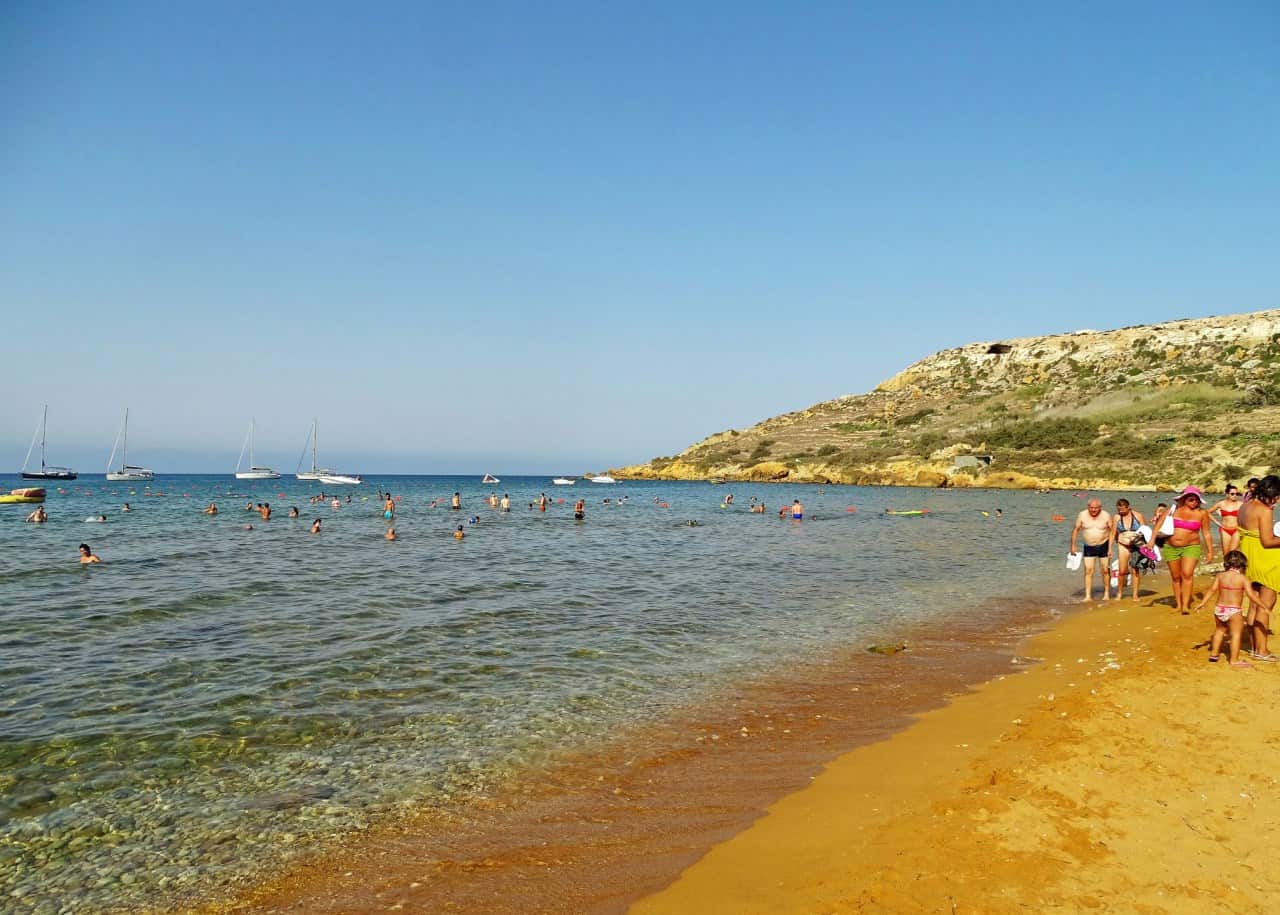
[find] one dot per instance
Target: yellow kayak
(26, 494)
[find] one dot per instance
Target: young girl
(1230, 587)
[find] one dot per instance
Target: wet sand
(1125, 773)
(607, 826)
(1122, 772)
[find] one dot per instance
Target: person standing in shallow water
(1126, 524)
(456, 503)
(1093, 525)
(579, 510)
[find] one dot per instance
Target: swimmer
(126, 508)
(315, 526)
(265, 511)
(728, 500)
(388, 508)
(456, 503)
(579, 510)
(248, 506)
(391, 534)
(506, 502)
(542, 502)
(98, 520)
(335, 503)
(475, 519)
(38, 516)
(459, 534)
(248, 527)
(293, 511)
(693, 523)
(797, 510)
(211, 509)
(757, 509)
(86, 555)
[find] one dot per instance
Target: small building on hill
(976, 461)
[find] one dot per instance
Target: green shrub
(1068, 432)
(827, 449)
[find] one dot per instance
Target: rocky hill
(1193, 401)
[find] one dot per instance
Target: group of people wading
(1180, 536)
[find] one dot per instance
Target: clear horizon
(470, 237)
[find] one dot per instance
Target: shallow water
(210, 699)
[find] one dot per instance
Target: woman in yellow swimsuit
(1261, 546)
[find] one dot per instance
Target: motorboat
(46, 471)
(254, 472)
(339, 479)
(27, 494)
(603, 478)
(561, 481)
(128, 473)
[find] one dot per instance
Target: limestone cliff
(1196, 400)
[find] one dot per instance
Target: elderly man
(1095, 526)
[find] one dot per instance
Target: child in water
(459, 534)
(1230, 587)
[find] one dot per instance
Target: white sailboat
(128, 473)
(315, 473)
(46, 471)
(322, 474)
(254, 472)
(490, 478)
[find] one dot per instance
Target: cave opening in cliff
(999, 349)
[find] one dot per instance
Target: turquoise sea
(211, 700)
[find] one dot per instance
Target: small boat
(25, 494)
(315, 473)
(46, 471)
(603, 478)
(254, 472)
(490, 478)
(128, 473)
(915, 511)
(340, 479)
(561, 481)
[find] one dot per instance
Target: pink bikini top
(1186, 525)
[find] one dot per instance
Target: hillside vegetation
(1192, 401)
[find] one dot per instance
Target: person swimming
(391, 534)
(211, 509)
(315, 526)
(86, 555)
(797, 510)
(459, 533)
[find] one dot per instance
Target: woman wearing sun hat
(1182, 549)
(1261, 547)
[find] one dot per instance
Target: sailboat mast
(125, 452)
(252, 462)
(315, 433)
(44, 422)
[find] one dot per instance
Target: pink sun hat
(1190, 491)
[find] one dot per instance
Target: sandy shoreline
(1119, 773)
(1122, 774)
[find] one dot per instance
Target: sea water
(211, 700)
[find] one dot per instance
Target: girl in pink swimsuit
(1229, 589)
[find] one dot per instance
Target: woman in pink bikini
(1228, 512)
(1182, 549)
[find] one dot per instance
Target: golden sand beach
(1123, 773)
(1118, 771)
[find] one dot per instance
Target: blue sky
(553, 237)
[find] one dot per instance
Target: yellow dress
(1264, 564)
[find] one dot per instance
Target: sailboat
(46, 471)
(127, 472)
(322, 474)
(254, 472)
(490, 478)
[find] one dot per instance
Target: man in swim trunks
(797, 510)
(456, 504)
(1095, 526)
(580, 510)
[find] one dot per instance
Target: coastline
(606, 826)
(1121, 773)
